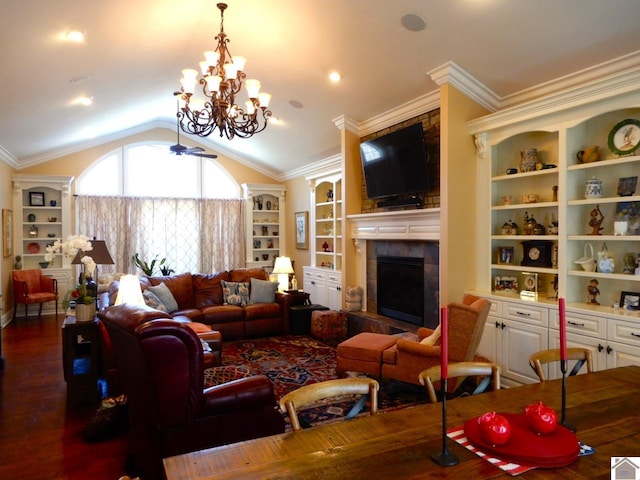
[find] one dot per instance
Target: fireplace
(400, 288)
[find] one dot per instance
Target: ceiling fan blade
(204, 155)
(177, 149)
(193, 150)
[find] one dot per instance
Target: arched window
(149, 170)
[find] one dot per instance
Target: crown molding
(455, 75)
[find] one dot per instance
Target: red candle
(563, 330)
(444, 343)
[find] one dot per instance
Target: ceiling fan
(179, 149)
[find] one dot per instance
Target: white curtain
(194, 235)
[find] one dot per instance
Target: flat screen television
(396, 163)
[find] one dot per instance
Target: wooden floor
(40, 435)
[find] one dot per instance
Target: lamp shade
(129, 291)
(283, 265)
(283, 268)
(100, 254)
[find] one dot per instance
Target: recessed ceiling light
(296, 104)
(335, 76)
(75, 36)
(86, 101)
(413, 22)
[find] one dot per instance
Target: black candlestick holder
(444, 458)
(563, 415)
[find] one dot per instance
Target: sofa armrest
(424, 332)
(412, 347)
(243, 394)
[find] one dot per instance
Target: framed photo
(627, 186)
(7, 232)
(36, 199)
(302, 230)
(630, 301)
(505, 284)
(629, 211)
(505, 255)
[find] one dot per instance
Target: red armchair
(30, 286)
(407, 358)
(161, 366)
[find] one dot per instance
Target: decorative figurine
(259, 199)
(330, 195)
(596, 220)
(325, 246)
(593, 292)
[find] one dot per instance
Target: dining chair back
(294, 401)
(459, 370)
(580, 355)
(31, 286)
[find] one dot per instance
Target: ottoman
(363, 353)
(329, 324)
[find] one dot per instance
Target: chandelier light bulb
(189, 80)
(264, 99)
(253, 88)
(239, 62)
(213, 83)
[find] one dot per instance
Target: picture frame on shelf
(36, 199)
(7, 232)
(629, 212)
(302, 230)
(505, 255)
(630, 301)
(627, 186)
(505, 284)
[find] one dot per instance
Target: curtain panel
(194, 235)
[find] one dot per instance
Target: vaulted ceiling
(131, 59)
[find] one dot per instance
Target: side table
(80, 357)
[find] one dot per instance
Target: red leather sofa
(161, 366)
(200, 299)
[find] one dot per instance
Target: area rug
(291, 361)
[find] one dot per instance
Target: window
(149, 170)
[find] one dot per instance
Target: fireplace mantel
(423, 224)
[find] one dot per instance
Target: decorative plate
(33, 247)
(624, 138)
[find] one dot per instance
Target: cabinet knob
(609, 349)
(600, 347)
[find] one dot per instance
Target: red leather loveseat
(200, 298)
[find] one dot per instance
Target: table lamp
(129, 291)
(100, 255)
(283, 268)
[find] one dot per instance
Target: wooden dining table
(604, 408)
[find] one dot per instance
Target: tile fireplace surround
(401, 233)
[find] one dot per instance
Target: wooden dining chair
(460, 370)
(578, 354)
(294, 401)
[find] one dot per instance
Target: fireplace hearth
(403, 280)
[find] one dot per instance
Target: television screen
(396, 163)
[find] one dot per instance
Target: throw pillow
(166, 297)
(152, 300)
(263, 291)
(433, 338)
(235, 293)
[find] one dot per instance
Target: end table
(80, 357)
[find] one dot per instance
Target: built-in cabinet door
(488, 346)
(520, 340)
(621, 355)
(596, 345)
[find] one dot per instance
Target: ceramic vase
(528, 159)
(85, 313)
(593, 188)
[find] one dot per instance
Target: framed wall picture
(36, 199)
(7, 232)
(302, 230)
(505, 255)
(630, 300)
(627, 186)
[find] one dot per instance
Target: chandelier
(222, 79)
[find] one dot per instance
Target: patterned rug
(292, 361)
